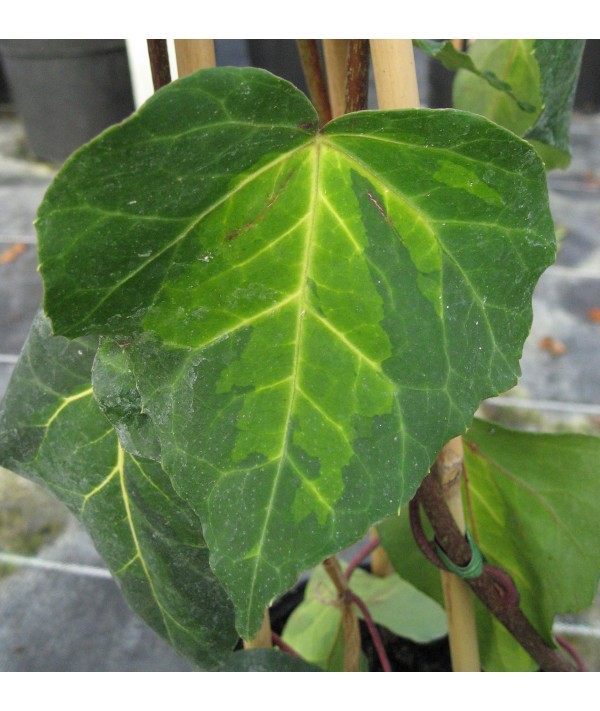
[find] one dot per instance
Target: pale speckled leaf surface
(307, 316)
(51, 430)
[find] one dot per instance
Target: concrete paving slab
(52, 621)
(6, 370)
(20, 294)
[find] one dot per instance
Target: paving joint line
(24, 561)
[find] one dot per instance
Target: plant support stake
(194, 54)
(462, 630)
(335, 52)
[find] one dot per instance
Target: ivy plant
(258, 333)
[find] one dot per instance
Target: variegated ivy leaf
(52, 431)
(308, 314)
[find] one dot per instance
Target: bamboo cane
(395, 75)
(458, 598)
(194, 54)
(396, 85)
(336, 53)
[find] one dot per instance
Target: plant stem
(373, 631)
(350, 624)
(361, 555)
(395, 75)
(462, 628)
(494, 587)
(263, 639)
(357, 76)
(284, 646)
(573, 652)
(336, 57)
(313, 72)
(194, 54)
(159, 62)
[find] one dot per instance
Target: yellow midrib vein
(166, 616)
(296, 369)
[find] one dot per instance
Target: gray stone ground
(75, 619)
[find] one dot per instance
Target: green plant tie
(473, 569)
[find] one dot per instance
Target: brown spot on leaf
(377, 205)
(272, 200)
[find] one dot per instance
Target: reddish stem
(567, 646)
(361, 555)
(159, 62)
(373, 631)
(315, 79)
(283, 645)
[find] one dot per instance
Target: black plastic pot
(67, 91)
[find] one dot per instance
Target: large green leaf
(51, 430)
(544, 72)
(275, 290)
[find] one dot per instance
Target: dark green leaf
(266, 660)
(559, 62)
(117, 395)
(277, 290)
(51, 430)
(453, 59)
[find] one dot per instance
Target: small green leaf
(314, 631)
(314, 628)
(277, 287)
(266, 660)
(51, 430)
(397, 605)
(453, 59)
(545, 72)
(513, 60)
